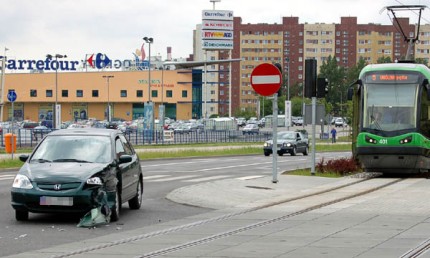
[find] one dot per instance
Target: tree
(422, 61)
(336, 76)
(384, 59)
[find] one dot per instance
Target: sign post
(11, 96)
(266, 80)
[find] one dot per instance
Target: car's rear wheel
(136, 202)
(280, 153)
(117, 207)
(266, 153)
(21, 215)
(306, 152)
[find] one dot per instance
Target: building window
(79, 93)
(139, 93)
(123, 93)
(49, 93)
(65, 93)
(95, 93)
(184, 94)
(33, 93)
(169, 93)
(154, 93)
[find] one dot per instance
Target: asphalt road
(160, 178)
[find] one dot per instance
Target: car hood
(278, 141)
(61, 171)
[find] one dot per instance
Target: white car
(340, 122)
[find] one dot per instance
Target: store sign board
(217, 34)
(217, 44)
(217, 25)
(217, 15)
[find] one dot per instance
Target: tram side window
(425, 111)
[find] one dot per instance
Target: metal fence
(28, 138)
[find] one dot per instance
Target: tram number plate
(383, 141)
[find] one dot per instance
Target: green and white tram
(392, 118)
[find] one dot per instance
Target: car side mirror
(125, 159)
(23, 157)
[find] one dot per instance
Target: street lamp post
(55, 123)
(149, 41)
(3, 67)
(109, 110)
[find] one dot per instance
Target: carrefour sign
(95, 61)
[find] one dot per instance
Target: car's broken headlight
(22, 182)
(94, 181)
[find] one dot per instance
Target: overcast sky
(30, 29)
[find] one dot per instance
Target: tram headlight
(406, 140)
(369, 140)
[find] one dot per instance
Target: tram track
(320, 198)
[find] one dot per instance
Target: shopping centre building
(86, 94)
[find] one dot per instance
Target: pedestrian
(333, 135)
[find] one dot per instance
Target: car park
(73, 170)
(288, 142)
(251, 129)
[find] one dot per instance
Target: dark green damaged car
(72, 170)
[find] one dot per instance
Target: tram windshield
(389, 107)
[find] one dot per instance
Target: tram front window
(389, 107)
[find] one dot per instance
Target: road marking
(153, 177)
(6, 178)
(7, 175)
(197, 180)
(171, 178)
(249, 177)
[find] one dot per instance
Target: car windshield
(74, 149)
(286, 136)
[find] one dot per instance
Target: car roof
(86, 131)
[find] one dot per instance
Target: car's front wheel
(21, 215)
(136, 202)
(266, 153)
(114, 216)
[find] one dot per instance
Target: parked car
(47, 123)
(297, 120)
(182, 128)
(340, 122)
(251, 129)
(241, 121)
(29, 125)
(40, 131)
(71, 170)
(288, 142)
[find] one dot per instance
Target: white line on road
(197, 180)
(249, 177)
(171, 179)
(153, 177)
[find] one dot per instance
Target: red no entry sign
(266, 79)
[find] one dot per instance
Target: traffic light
(322, 87)
(278, 65)
(310, 78)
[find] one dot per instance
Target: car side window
(119, 148)
(127, 148)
